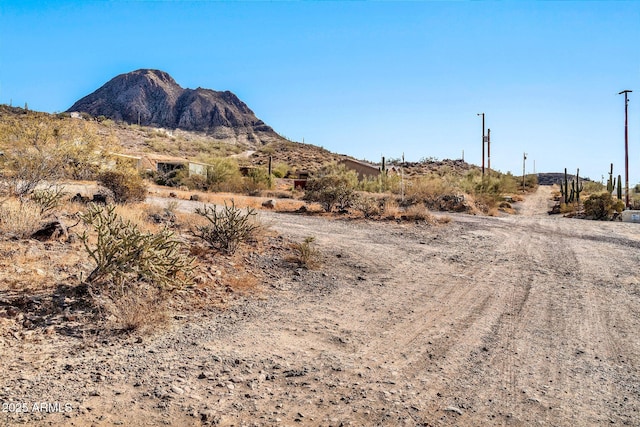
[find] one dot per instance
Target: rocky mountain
(153, 98)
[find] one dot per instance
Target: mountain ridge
(153, 98)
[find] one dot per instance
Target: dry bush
(243, 283)
(427, 188)
(305, 253)
(126, 185)
(368, 206)
(419, 213)
(19, 219)
(568, 208)
(486, 203)
(443, 219)
(390, 208)
(140, 309)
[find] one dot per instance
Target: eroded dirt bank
(520, 321)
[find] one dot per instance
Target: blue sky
(362, 78)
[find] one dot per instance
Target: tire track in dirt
(516, 321)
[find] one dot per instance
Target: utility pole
(489, 152)
(626, 147)
(482, 114)
(402, 177)
(524, 159)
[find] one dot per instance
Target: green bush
(126, 185)
(280, 170)
(223, 174)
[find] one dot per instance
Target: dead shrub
(20, 219)
(418, 213)
(390, 208)
(140, 309)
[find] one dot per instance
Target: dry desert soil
(521, 320)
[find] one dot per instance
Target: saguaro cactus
(619, 187)
(611, 183)
(566, 187)
(579, 186)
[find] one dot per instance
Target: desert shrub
(125, 184)
(19, 218)
(223, 174)
(126, 256)
(384, 182)
(280, 170)
(305, 253)
(257, 180)
(172, 178)
(141, 308)
(333, 187)
(195, 182)
(427, 188)
(602, 206)
(389, 208)
(227, 227)
(41, 147)
(368, 206)
(418, 212)
(24, 168)
(487, 203)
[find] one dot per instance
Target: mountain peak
(153, 98)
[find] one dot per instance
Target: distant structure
(365, 170)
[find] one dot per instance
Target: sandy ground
(523, 320)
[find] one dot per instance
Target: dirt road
(520, 321)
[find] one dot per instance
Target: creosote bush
(125, 256)
(227, 227)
